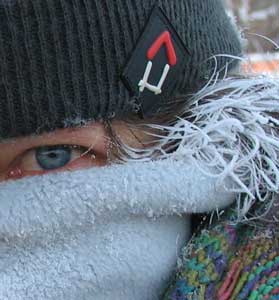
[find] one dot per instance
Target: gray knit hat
(63, 62)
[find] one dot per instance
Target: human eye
(53, 158)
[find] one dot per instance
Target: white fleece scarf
(115, 232)
(107, 233)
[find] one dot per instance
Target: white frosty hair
(230, 132)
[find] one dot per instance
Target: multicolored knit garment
(230, 261)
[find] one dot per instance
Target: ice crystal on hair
(231, 134)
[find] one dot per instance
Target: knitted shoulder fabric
(230, 261)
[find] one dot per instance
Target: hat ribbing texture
(61, 60)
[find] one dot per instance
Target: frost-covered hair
(230, 130)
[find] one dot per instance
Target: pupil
(53, 157)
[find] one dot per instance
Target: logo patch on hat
(156, 63)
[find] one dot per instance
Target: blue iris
(53, 157)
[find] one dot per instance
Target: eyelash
(16, 171)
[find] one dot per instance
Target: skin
(90, 148)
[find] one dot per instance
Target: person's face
(62, 150)
(76, 235)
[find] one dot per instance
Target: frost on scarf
(230, 129)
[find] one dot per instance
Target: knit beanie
(65, 62)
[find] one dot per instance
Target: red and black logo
(157, 62)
